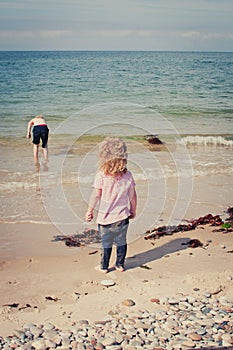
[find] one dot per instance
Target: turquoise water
(193, 90)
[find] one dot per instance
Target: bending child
(40, 132)
(115, 199)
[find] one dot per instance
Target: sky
(173, 25)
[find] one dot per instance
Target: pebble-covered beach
(176, 323)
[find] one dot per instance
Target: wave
(13, 186)
(206, 141)
(201, 172)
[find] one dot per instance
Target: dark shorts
(40, 132)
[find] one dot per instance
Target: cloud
(105, 24)
(207, 36)
(49, 34)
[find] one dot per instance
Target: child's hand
(89, 216)
(28, 136)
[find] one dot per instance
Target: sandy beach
(59, 285)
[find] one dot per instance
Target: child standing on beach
(40, 132)
(115, 199)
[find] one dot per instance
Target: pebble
(195, 336)
(174, 323)
(128, 302)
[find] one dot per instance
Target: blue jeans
(110, 234)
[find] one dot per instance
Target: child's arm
(30, 125)
(133, 203)
(94, 199)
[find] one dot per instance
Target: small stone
(36, 331)
(99, 346)
(29, 325)
(19, 333)
(223, 300)
(101, 322)
(83, 322)
(82, 333)
(188, 344)
(191, 299)
(108, 341)
(128, 302)
(39, 344)
(173, 301)
(50, 344)
(136, 343)
(119, 338)
(65, 341)
(108, 283)
(141, 325)
(93, 341)
(48, 326)
(50, 334)
(195, 336)
(183, 305)
(207, 295)
(201, 331)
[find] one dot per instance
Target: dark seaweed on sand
(91, 236)
(88, 236)
(212, 220)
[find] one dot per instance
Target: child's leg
(107, 237)
(35, 153)
(121, 254)
(105, 258)
(36, 142)
(44, 138)
(45, 153)
(120, 240)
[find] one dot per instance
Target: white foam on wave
(13, 186)
(169, 173)
(213, 171)
(206, 141)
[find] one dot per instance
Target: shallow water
(174, 183)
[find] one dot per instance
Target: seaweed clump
(212, 220)
(88, 236)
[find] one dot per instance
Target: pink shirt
(115, 200)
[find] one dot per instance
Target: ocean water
(184, 97)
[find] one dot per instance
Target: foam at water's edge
(206, 141)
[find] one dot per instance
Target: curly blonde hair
(113, 156)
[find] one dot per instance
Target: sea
(182, 98)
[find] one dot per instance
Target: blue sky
(203, 25)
